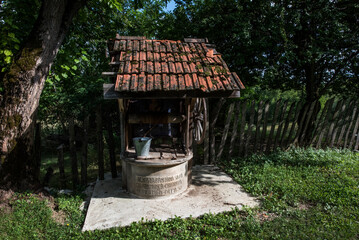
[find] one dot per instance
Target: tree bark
(24, 83)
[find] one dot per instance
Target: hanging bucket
(142, 146)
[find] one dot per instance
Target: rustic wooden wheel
(199, 120)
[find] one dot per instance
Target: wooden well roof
(167, 68)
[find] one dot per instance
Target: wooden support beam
(155, 118)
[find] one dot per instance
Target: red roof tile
(145, 65)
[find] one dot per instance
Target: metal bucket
(142, 146)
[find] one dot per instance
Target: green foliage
(301, 45)
(31, 219)
(74, 86)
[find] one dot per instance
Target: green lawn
(305, 194)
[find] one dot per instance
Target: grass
(304, 193)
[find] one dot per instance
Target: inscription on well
(159, 186)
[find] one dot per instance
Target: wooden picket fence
(259, 127)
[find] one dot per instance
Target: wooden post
(213, 120)
(84, 146)
(281, 122)
(258, 126)
(344, 123)
(325, 123)
(234, 129)
(286, 125)
(295, 120)
(73, 155)
(122, 126)
(264, 131)
(206, 139)
(37, 149)
(188, 122)
(350, 126)
(225, 131)
(319, 123)
(356, 126)
(99, 137)
(338, 122)
(111, 147)
(274, 122)
(247, 147)
(333, 121)
(242, 128)
(60, 161)
(308, 119)
(301, 124)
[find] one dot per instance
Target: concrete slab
(211, 191)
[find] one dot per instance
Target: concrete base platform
(211, 191)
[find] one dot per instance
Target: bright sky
(170, 6)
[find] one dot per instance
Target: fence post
(274, 122)
(350, 126)
(37, 149)
(309, 114)
(84, 146)
(354, 133)
(99, 136)
(325, 123)
(286, 125)
(242, 128)
(213, 120)
(235, 129)
(258, 125)
(225, 131)
(249, 130)
(60, 161)
(111, 147)
(320, 121)
(73, 155)
(344, 123)
(206, 138)
(264, 131)
(281, 122)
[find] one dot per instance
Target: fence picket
(308, 119)
(319, 123)
(281, 122)
(225, 131)
(350, 126)
(345, 121)
(291, 108)
(214, 118)
(99, 137)
(338, 122)
(295, 121)
(242, 128)
(274, 122)
(249, 130)
(333, 121)
(265, 121)
(354, 133)
(235, 129)
(258, 125)
(325, 123)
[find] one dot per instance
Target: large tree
(23, 83)
(280, 44)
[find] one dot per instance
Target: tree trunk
(24, 83)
